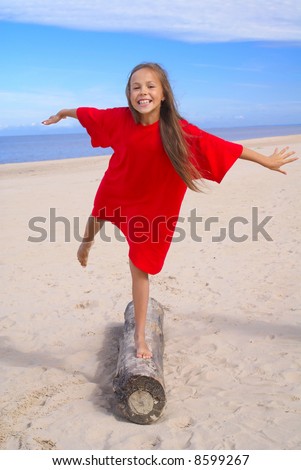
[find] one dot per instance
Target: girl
(157, 155)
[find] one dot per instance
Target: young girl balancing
(157, 155)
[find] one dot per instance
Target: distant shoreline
(85, 162)
(45, 147)
(211, 129)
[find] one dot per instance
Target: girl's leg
(92, 228)
(140, 289)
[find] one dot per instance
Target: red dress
(140, 192)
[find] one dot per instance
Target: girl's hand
(53, 119)
(280, 158)
(62, 114)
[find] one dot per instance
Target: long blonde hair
(172, 134)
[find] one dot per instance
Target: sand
(232, 314)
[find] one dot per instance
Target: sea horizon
(66, 145)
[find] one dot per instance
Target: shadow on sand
(103, 396)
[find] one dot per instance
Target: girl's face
(146, 95)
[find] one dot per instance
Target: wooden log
(139, 383)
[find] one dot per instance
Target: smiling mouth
(144, 102)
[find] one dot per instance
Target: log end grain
(139, 383)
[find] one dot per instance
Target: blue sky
(231, 63)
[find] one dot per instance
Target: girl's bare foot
(142, 350)
(83, 252)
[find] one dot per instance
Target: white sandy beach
(232, 328)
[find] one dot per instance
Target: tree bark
(139, 383)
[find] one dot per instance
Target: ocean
(33, 148)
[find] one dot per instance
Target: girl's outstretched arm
(63, 114)
(273, 162)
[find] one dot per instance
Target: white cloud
(188, 20)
